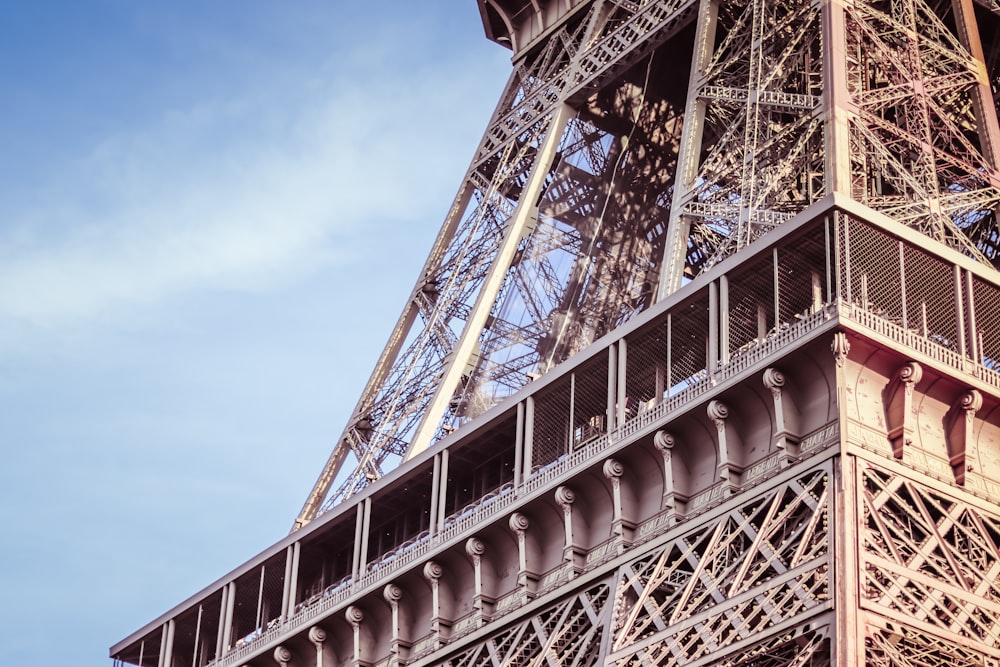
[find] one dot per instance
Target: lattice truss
(584, 261)
(732, 586)
(568, 634)
(921, 137)
(931, 567)
(757, 125)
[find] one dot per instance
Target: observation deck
(812, 343)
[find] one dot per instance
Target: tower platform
(794, 459)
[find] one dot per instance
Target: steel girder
(452, 339)
(601, 175)
(747, 586)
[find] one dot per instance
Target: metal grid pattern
(688, 327)
(870, 270)
(557, 231)
(726, 583)
(752, 151)
(479, 319)
(931, 309)
(901, 283)
(929, 562)
(572, 630)
(802, 277)
(645, 369)
(923, 138)
(899, 646)
(751, 304)
(569, 414)
(258, 600)
(987, 308)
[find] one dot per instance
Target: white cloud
(229, 193)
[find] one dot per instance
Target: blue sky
(211, 213)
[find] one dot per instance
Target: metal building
(703, 367)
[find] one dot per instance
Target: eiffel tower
(703, 367)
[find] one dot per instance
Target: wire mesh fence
(802, 276)
(550, 428)
(986, 305)
(751, 304)
(931, 308)
(688, 327)
(645, 369)
(257, 605)
(870, 269)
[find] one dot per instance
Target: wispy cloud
(231, 193)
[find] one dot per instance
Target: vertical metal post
(713, 327)
(221, 634)
(612, 413)
(974, 342)
(227, 631)
(679, 225)
(260, 599)
(519, 448)
(513, 232)
(836, 98)
(847, 259)
(358, 530)
(197, 637)
(572, 410)
(168, 654)
(723, 319)
(366, 520)
(285, 593)
(827, 259)
(776, 288)
(622, 388)
(293, 584)
(959, 310)
(529, 436)
(902, 282)
(443, 488)
(670, 352)
(161, 659)
(435, 486)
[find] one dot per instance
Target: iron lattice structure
(639, 143)
(703, 369)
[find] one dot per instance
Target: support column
(529, 436)
(401, 642)
(483, 599)
(443, 490)
(527, 579)
(317, 636)
(167, 644)
(963, 451)
(622, 397)
(621, 528)
(836, 98)
(898, 398)
(664, 443)
(358, 530)
(786, 429)
(728, 443)
(515, 229)
(356, 617)
(679, 225)
(440, 618)
(573, 555)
